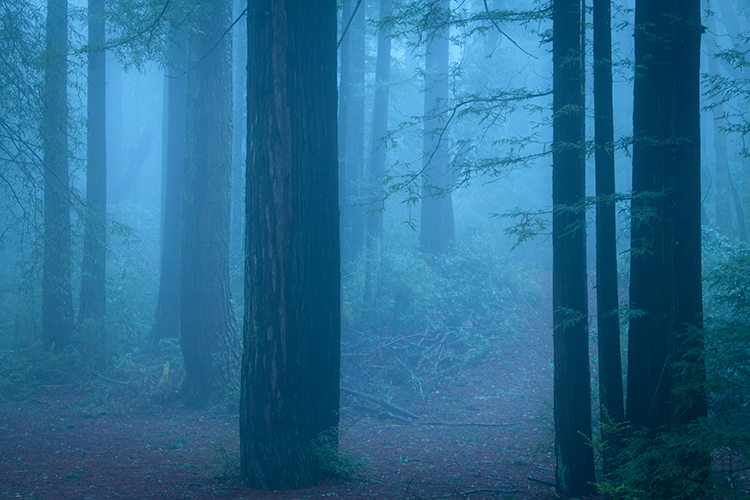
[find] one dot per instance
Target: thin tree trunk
(167, 324)
(572, 390)
(344, 97)
(290, 375)
(437, 227)
(57, 297)
(377, 155)
(722, 182)
(608, 320)
(355, 151)
(239, 76)
(93, 270)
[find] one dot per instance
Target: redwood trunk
(572, 391)
(290, 376)
(208, 328)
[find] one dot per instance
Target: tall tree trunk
(93, 289)
(57, 297)
(209, 334)
(608, 320)
(572, 390)
(722, 178)
(665, 286)
(290, 375)
(377, 154)
(115, 156)
(167, 324)
(665, 264)
(437, 229)
(344, 96)
(239, 76)
(355, 151)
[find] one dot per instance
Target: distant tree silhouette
(209, 334)
(437, 227)
(377, 155)
(57, 295)
(167, 323)
(93, 270)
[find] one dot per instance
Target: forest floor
(487, 433)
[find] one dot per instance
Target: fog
(392, 317)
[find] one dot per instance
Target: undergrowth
(427, 318)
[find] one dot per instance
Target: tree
(608, 321)
(665, 368)
(93, 269)
(377, 152)
(665, 262)
(343, 124)
(352, 129)
(290, 367)
(57, 297)
(724, 191)
(572, 392)
(208, 327)
(437, 229)
(167, 324)
(239, 78)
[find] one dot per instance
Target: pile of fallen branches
(420, 361)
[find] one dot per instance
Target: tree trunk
(167, 324)
(355, 152)
(57, 297)
(608, 320)
(344, 94)
(93, 289)
(665, 263)
(239, 76)
(377, 155)
(572, 392)
(665, 286)
(723, 195)
(437, 229)
(208, 327)
(290, 376)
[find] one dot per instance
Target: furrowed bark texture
(290, 377)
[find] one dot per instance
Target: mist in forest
(316, 223)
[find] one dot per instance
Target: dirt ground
(486, 434)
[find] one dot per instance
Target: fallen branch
(542, 481)
(380, 413)
(494, 492)
(385, 404)
(387, 414)
(465, 424)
